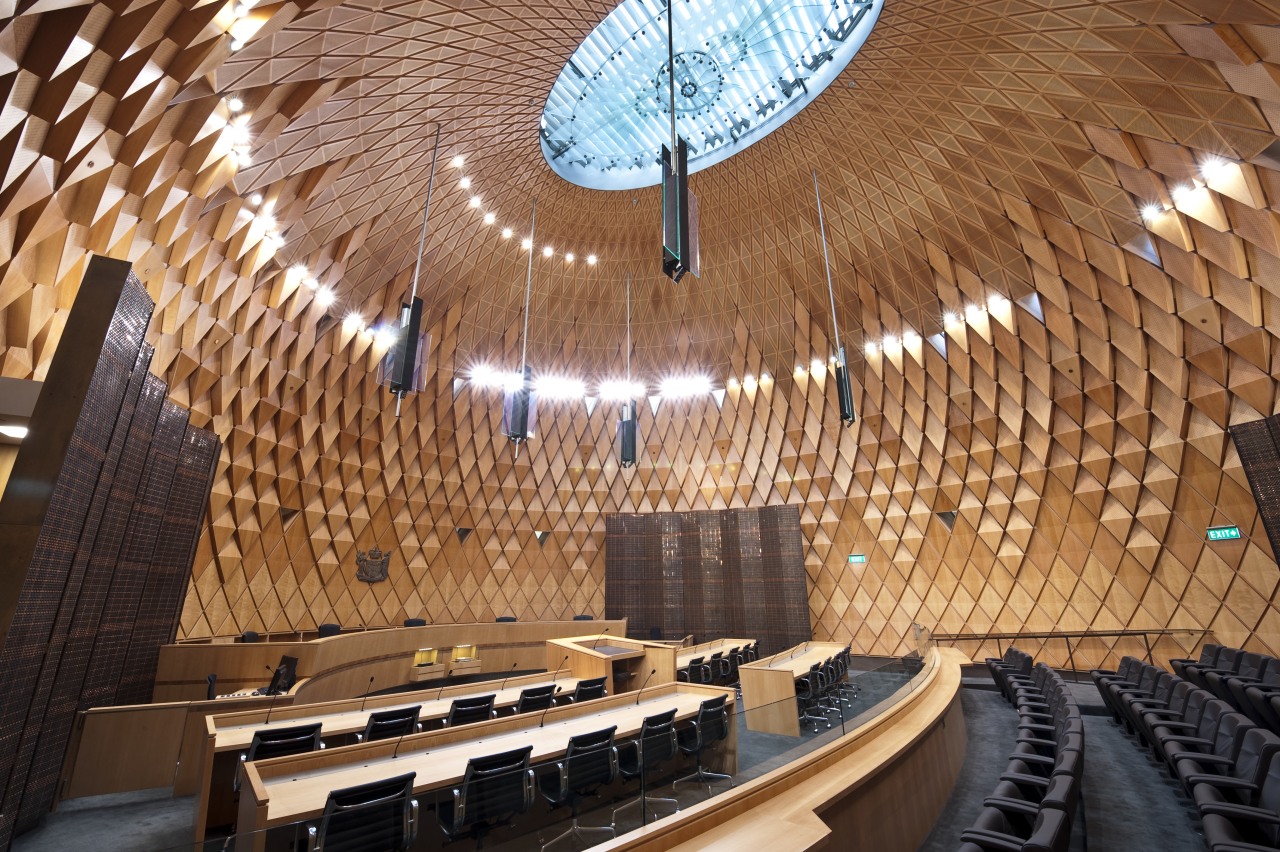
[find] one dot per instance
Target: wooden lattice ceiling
(972, 149)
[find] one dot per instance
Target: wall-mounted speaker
(519, 410)
(680, 251)
(404, 355)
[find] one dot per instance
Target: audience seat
(494, 789)
(381, 815)
(327, 630)
(415, 622)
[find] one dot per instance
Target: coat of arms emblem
(372, 566)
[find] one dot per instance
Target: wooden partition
(626, 663)
(340, 666)
(143, 746)
(769, 686)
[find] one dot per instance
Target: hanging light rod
(519, 402)
(844, 391)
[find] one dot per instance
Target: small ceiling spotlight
(255, 199)
(325, 297)
(997, 302)
(474, 202)
(621, 389)
(683, 386)
(568, 257)
(526, 244)
(1182, 193)
(235, 104)
(352, 322)
(765, 377)
(489, 218)
(910, 338)
(236, 44)
(973, 313)
(457, 161)
(560, 387)
(733, 382)
(800, 371)
(591, 260)
(950, 318)
(547, 251)
(871, 348)
(1151, 212)
(465, 183)
(506, 233)
(244, 159)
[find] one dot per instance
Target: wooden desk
(284, 790)
(229, 734)
(607, 655)
(706, 649)
(769, 686)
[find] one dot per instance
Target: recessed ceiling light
(465, 183)
(526, 244)
(474, 202)
(325, 297)
(506, 233)
(1152, 212)
(235, 104)
(489, 218)
(568, 257)
(547, 251)
(457, 161)
(255, 199)
(591, 260)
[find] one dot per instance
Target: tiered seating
(1192, 720)
(1034, 805)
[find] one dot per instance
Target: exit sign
(857, 558)
(1223, 533)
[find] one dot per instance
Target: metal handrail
(1067, 635)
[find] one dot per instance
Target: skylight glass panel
(742, 69)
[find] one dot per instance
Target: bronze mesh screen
(738, 572)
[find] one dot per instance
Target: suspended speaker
(627, 435)
(844, 391)
(519, 410)
(404, 361)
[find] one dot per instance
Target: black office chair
(249, 636)
(710, 727)
(584, 618)
(494, 789)
(655, 634)
(587, 690)
(464, 711)
(327, 630)
(698, 671)
(590, 763)
(415, 622)
(278, 742)
(655, 744)
(535, 698)
(381, 815)
(390, 724)
(503, 619)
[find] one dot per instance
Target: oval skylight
(742, 70)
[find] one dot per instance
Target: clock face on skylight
(742, 68)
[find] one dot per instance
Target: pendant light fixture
(844, 391)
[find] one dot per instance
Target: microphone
(542, 720)
(652, 672)
(396, 751)
(598, 638)
(274, 696)
(562, 662)
(366, 693)
(508, 677)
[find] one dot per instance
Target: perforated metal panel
(711, 574)
(1258, 444)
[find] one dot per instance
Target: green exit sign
(857, 558)
(1223, 533)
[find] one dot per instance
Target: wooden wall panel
(1051, 368)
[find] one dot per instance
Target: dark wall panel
(711, 574)
(1258, 444)
(100, 520)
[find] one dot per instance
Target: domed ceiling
(988, 160)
